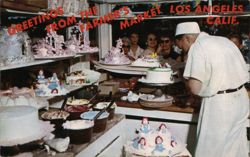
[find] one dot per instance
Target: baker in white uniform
(216, 71)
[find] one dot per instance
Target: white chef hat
(187, 28)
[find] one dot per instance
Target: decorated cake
(20, 125)
(76, 78)
(79, 41)
(15, 49)
(115, 56)
(52, 47)
(150, 142)
(21, 97)
(48, 87)
(158, 75)
(147, 61)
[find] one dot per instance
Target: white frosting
(20, 124)
(78, 124)
(159, 75)
(169, 145)
(19, 101)
(143, 62)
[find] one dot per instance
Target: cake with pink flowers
(52, 47)
(115, 56)
(154, 142)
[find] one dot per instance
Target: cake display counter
(98, 142)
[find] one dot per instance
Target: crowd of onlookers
(164, 46)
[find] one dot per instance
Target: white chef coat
(139, 51)
(219, 65)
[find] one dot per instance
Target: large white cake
(151, 142)
(158, 75)
(20, 125)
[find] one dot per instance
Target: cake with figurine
(147, 61)
(48, 86)
(150, 142)
(115, 56)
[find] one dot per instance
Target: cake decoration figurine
(40, 77)
(142, 143)
(75, 43)
(158, 144)
(154, 142)
(162, 128)
(145, 128)
(115, 56)
(48, 86)
(51, 47)
(173, 142)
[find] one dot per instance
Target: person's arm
(194, 85)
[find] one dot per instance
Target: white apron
(219, 65)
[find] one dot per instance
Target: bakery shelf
(38, 62)
(35, 62)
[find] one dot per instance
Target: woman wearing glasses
(166, 51)
(151, 45)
